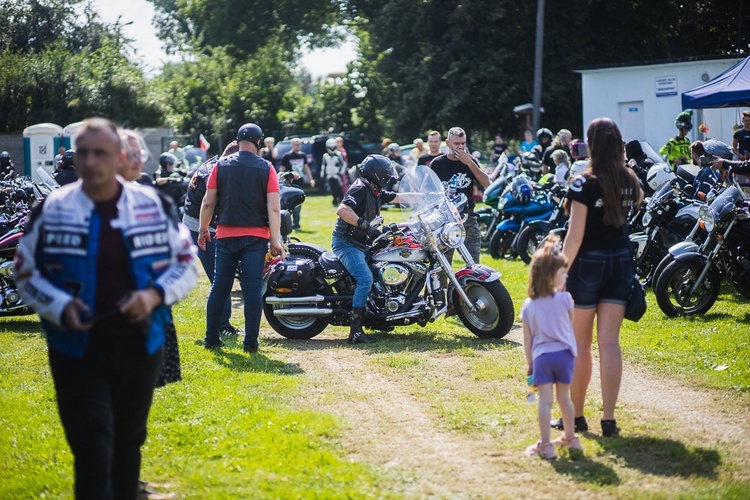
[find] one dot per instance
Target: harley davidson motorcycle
(303, 295)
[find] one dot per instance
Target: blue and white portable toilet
(70, 132)
(40, 145)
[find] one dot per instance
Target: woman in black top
(602, 268)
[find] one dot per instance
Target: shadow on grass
(587, 471)
(23, 324)
(662, 457)
(242, 361)
(421, 340)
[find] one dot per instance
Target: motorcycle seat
(331, 265)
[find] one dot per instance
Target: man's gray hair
(455, 132)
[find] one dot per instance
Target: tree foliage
(244, 26)
(469, 63)
(59, 68)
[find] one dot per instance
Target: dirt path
(394, 429)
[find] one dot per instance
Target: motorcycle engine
(7, 269)
(739, 275)
(394, 284)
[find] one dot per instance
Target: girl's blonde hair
(546, 261)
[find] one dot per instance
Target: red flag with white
(204, 144)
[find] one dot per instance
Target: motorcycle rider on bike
(7, 169)
(353, 232)
(334, 170)
(166, 179)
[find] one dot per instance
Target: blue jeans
(229, 252)
(207, 258)
(355, 262)
(296, 216)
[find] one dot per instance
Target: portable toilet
(70, 132)
(40, 144)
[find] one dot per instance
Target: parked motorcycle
(690, 284)
(304, 295)
(489, 217)
(519, 207)
(669, 216)
(536, 231)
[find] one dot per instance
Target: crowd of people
(114, 260)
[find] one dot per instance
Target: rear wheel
(673, 288)
(495, 313)
(293, 327)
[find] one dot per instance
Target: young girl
(549, 343)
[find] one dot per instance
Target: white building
(644, 99)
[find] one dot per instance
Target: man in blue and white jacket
(100, 262)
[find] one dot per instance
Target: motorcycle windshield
(725, 201)
(423, 196)
(661, 193)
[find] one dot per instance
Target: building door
(631, 120)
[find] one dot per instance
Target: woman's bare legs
(608, 323)
(583, 327)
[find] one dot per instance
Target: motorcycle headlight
(707, 218)
(453, 235)
(647, 218)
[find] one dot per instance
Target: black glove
(373, 233)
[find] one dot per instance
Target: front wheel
(673, 288)
(500, 245)
(528, 241)
(495, 313)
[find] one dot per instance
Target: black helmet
(166, 159)
(542, 132)
(4, 158)
(250, 132)
(19, 195)
(68, 159)
(378, 169)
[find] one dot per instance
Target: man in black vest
(244, 190)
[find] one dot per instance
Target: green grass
(246, 427)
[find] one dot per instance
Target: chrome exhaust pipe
(303, 311)
(313, 299)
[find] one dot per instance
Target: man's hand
(203, 238)
(464, 156)
(276, 249)
(373, 233)
(137, 306)
(73, 312)
(312, 182)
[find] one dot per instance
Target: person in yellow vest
(677, 149)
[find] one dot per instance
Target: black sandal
(609, 428)
(580, 424)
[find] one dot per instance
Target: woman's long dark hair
(620, 188)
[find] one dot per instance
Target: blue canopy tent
(729, 89)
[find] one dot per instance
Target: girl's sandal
(544, 450)
(573, 443)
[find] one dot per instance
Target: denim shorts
(552, 367)
(601, 276)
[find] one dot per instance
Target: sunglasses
(141, 155)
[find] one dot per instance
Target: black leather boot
(356, 335)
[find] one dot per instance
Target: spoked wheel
(495, 313)
(528, 241)
(673, 288)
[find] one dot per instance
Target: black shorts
(601, 276)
